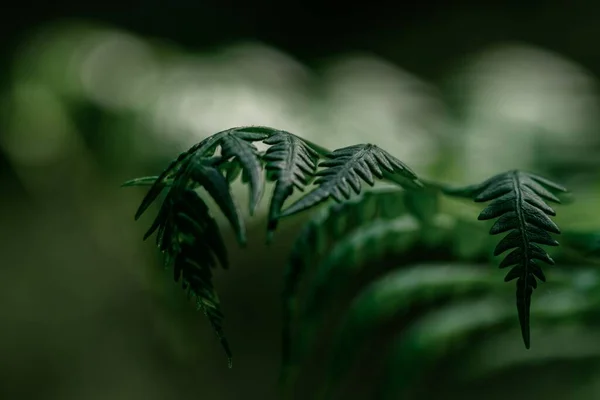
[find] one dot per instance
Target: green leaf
(291, 163)
(343, 172)
(519, 204)
(203, 172)
(237, 146)
(194, 213)
(231, 170)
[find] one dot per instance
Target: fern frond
(291, 163)
(348, 259)
(369, 244)
(315, 240)
(519, 202)
(197, 280)
(191, 241)
(343, 172)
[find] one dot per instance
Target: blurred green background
(92, 95)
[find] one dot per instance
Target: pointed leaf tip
(519, 206)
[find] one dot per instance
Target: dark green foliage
(190, 240)
(320, 236)
(519, 202)
(418, 268)
(585, 243)
(394, 296)
(446, 309)
(236, 147)
(291, 163)
(423, 203)
(445, 333)
(343, 171)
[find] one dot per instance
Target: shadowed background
(94, 95)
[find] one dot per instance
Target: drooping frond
(343, 171)
(291, 163)
(190, 238)
(519, 204)
(192, 244)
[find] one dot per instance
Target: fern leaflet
(236, 146)
(344, 170)
(190, 239)
(291, 163)
(518, 201)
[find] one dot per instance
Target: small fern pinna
(191, 241)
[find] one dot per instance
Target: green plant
(422, 261)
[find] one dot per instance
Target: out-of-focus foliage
(87, 107)
(420, 312)
(378, 226)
